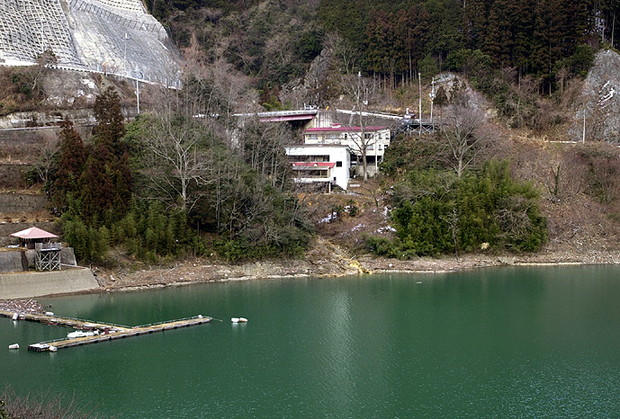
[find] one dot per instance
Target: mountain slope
(110, 36)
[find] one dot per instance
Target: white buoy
(14, 346)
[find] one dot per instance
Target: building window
(338, 164)
(308, 158)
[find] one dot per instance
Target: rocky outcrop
(599, 101)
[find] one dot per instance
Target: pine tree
(110, 126)
(445, 35)
(475, 20)
(69, 167)
(377, 40)
(523, 23)
(575, 25)
(417, 32)
(547, 36)
(96, 186)
(105, 185)
(500, 40)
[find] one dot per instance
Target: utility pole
(420, 102)
(138, 95)
(432, 95)
(137, 76)
(583, 138)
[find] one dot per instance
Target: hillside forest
(274, 41)
(186, 179)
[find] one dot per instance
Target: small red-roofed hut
(30, 236)
(47, 249)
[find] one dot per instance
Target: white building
(373, 139)
(321, 163)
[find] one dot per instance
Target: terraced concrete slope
(110, 36)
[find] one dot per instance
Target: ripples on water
(492, 343)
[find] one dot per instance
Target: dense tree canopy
(274, 41)
(437, 212)
(529, 35)
(174, 177)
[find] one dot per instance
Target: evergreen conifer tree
(69, 166)
(475, 15)
(106, 182)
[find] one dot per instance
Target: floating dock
(105, 331)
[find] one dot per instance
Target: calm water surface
(510, 342)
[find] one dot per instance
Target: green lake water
(507, 342)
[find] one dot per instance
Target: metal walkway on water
(105, 331)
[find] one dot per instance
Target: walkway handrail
(170, 321)
(89, 321)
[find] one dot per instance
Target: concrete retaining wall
(23, 259)
(13, 262)
(13, 176)
(22, 203)
(37, 284)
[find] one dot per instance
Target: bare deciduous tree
(48, 151)
(466, 135)
(346, 57)
(177, 138)
(361, 90)
(262, 147)
(175, 158)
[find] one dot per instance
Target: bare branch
(466, 135)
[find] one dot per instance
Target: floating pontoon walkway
(107, 331)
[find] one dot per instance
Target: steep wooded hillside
(516, 115)
(274, 41)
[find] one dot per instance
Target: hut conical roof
(34, 233)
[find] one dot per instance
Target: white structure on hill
(331, 152)
(373, 139)
(320, 163)
(107, 36)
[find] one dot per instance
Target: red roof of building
(310, 165)
(344, 129)
(34, 233)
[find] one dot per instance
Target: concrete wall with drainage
(37, 284)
